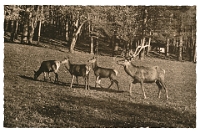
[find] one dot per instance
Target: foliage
(128, 23)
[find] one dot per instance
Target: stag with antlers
(142, 74)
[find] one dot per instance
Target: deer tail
(163, 71)
(116, 72)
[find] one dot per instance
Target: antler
(139, 48)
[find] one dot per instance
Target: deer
(101, 72)
(77, 70)
(47, 67)
(142, 74)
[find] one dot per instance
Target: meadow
(30, 103)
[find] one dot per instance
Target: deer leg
(116, 82)
(49, 76)
(85, 82)
(72, 81)
(130, 88)
(77, 80)
(95, 85)
(142, 86)
(111, 84)
(159, 92)
(164, 86)
(88, 81)
(166, 91)
(98, 81)
(159, 87)
(56, 78)
(44, 76)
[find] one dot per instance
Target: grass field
(30, 103)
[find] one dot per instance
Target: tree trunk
(75, 36)
(113, 45)
(66, 31)
(180, 50)
(16, 29)
(116, 42)
(174, 45)
(12, 27)
(39, 29)
(31, 32)
(6, 23)
(33, 24)
(25, 33)
(97, 47)
(190, 51)
(194, 56)
(167, 48)
(92, 45)
(142, 52)
(91, 39)
(193, 47)
(25, 22)
(70, 28)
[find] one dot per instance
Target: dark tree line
(130, 27)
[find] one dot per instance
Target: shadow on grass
(59, 47)
(114, 113)
(106, 90)
(74, 85)
(33, 44)
(31, 78)
(49, 111)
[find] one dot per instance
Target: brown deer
(101, 72)
(141, 74)
(47, 67)
(77, 70)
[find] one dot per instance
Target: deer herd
(139, 74)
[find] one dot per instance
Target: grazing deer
(103, 73)
(47, 67)
(77, 70)
(141, 74)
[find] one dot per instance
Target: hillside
(30, 103)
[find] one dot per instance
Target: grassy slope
(29, 103)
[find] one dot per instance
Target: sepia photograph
(99, 66)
